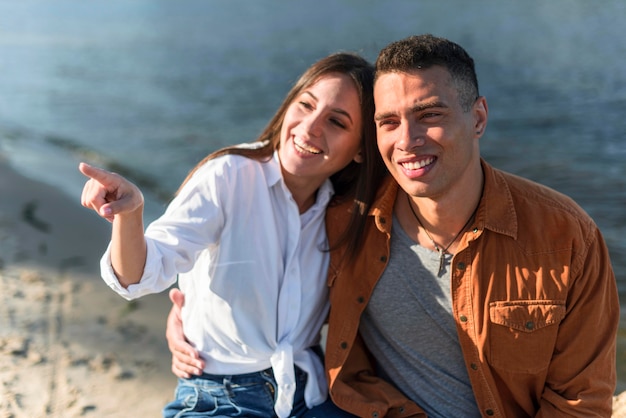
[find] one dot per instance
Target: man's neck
(441, 218)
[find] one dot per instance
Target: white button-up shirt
(252, 269)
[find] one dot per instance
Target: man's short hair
(425, 51)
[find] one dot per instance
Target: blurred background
(148, 87)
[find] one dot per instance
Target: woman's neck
(304, 191)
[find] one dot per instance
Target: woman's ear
(358, 158)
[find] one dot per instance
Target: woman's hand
(109, 194)
(119, 201)
(186, 360)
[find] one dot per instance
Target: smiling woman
(246, 238)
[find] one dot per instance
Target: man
(493, 295)
(476, 292)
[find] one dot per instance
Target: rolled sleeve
(150, 280)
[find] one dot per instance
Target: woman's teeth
(303, 147)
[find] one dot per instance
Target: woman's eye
(306, 105)
(338, 123)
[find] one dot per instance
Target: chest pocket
(522, 334)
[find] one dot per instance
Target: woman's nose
(312, 123)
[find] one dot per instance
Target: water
(148, 87)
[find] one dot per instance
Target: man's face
(429, 144)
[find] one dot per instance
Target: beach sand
(69, 346)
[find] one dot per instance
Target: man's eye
(430, 115)
(388, 123)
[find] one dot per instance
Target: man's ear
(358, 158)
(480, 111)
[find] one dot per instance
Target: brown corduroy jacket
(534, 299)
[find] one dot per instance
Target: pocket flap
(527, 315)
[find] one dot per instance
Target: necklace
(441, 251)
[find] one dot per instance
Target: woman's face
(321, 131)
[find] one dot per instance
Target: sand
(69, 346)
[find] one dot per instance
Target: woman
(246, 237)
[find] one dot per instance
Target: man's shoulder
(526, 191)
(537, 204)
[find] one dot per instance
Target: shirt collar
(274, 175)
(272, 170)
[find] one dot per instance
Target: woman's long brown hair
(356, 181)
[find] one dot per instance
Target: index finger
(101, 176)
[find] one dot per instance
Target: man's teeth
(302, 147)
(414, 165)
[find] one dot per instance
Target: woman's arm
(120, 202)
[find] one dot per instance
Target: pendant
(441, 259)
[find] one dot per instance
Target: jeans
(243, 395)
(326, 410)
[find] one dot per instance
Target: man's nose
(412, 136)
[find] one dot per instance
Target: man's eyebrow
(427, 105)
(335, 109)
(414, 109)
(385, 115)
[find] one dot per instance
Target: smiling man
(477, 293)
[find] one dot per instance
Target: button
(402, 410)
(374, 414)
(475, 230)
(460, 265)
(383, 220)
(463, 318)
(489, 412)
(474, 366)
(530, 325)
(383, 258)
(343, 345)
(360, 299)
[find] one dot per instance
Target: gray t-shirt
(409, 328)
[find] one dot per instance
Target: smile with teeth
(415, 165)
(301, 146)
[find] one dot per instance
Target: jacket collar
(496, 210)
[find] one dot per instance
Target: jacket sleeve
(582, 374)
